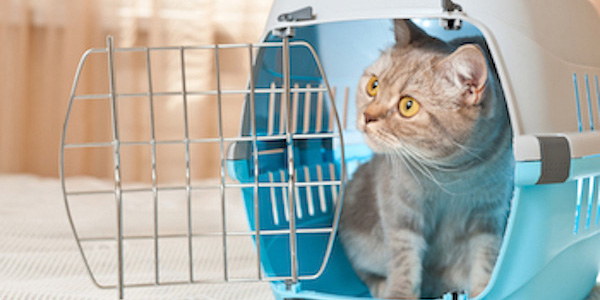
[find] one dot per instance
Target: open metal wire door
(287, 162)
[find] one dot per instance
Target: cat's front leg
(405, 266)
(484, 251)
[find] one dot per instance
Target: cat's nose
(369, 118)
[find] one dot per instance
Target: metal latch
(451, 24)
(303, 14)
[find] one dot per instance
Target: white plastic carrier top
(546, 52)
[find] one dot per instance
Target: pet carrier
(293, 153)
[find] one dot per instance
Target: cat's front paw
(377, 288)
(594, 293)
(476, 290)
(400, 293)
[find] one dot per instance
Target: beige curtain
(41, 42)
(596, 4)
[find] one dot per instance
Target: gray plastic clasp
(451, 24)
(448, 5)
(556, 159)
(303, 14)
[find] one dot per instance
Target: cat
(594, 293)
(427, 213)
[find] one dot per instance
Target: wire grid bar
(202, 93)
(117, 164)
(222, 153)
(289, 136)
(188, 172)
(256, 166)
(299, 136)
(207, 187)
(211, 234)
(285, 67)
(154, 175)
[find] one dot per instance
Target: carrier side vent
(315, 193)
(587, 212)
(585, 121)
(304, 100)
(311, 116)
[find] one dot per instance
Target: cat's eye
(408, 106)
(373, 86)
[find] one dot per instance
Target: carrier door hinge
(556, 159)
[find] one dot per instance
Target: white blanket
(39, 258)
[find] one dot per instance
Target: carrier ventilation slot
(587, 197)
(587, 188)
(304, 101)
(597, 95)
(315, 183)
(588, 102)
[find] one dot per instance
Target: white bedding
(39, 258)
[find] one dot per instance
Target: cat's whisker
(419, 166)
(447, 182)
(416, 163)
(425, 170)
(437, 165)
(408, 167)
(442, 166)
(467, 149)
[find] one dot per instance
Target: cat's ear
(467, 67)
(406, 32)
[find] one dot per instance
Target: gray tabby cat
(426, 215)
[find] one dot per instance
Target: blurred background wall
(41, 42)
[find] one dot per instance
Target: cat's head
(422, 96)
